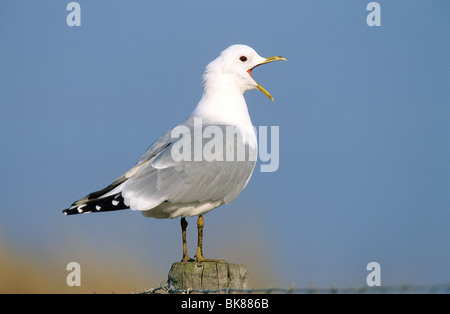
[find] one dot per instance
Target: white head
(233, 67)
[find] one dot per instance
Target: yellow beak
(268, 60)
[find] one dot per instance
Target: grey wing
(114, 189)
(160, 178)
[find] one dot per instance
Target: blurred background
(363, 114)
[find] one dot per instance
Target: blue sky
(363, 114)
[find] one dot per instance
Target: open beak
(268, 60)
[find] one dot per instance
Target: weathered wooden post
(208, 276)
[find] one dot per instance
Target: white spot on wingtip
(97, 207)
(115, 203)
(80, 208)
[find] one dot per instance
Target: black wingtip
(70, 211)
(109, 203)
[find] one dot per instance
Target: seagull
(199, 165)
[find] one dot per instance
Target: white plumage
(162, 186)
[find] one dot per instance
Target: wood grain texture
(208, 276)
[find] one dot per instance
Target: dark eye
(243, 58)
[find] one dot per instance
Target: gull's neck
(223, 102)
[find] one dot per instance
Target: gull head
(233, 69)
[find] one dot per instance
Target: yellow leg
(184, 225)
(199, 256)
(200, 225)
